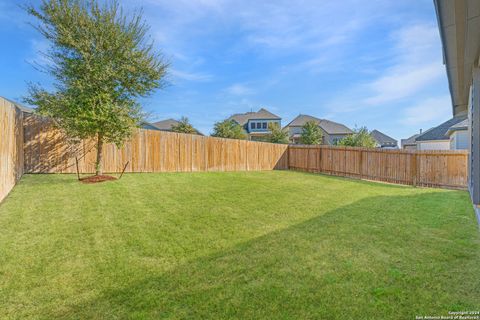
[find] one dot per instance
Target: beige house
(449, 135)
(332, 131)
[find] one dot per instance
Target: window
(252, 125)
(259, 125)
(264, 125)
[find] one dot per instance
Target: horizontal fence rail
(447, 169)
(48, 151)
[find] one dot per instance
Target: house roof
(148, 125)
(440, 132)
(382, 138)
(462, 125)
(411, 140)
(242, 118)
(328, 126)
(166, 125)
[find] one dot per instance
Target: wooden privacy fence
(446, 169)
(11, 145)
(47, 151)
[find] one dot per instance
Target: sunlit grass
(273, 245)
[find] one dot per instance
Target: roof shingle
(410, 140)
(264, 114)
(382, 138)
(166, 124)
(328, 126)
(440, 132)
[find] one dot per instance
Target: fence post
(320, 152)
(413, 168)
(361, 163)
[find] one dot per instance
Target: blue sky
(366, 63)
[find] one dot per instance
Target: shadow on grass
(380, 258)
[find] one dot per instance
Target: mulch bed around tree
(97, 179)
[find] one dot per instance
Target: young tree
(277, 135)
(184, 126)
(311, 133)
(228, 129)
(360, 138)
(101, 62)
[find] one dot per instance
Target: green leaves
(360, 138)
(229, 129)
(101, 63)
(184, 126)
(277, 135)
(311, 133)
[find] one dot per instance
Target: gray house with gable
(256, 124)
(332, 131)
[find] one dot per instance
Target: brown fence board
(11, 146)
(48, 151)
(424, 168)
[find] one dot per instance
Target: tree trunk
(98, 165)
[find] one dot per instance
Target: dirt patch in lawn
(97, 179)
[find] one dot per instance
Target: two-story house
(332, 132)
(256, 123)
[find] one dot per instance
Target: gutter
(444, 51)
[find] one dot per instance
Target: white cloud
(190, 76)
(239, 89)
(402, 81)
(417, 65)
(428, 111)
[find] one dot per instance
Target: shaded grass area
(276, 245)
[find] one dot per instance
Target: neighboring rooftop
(410, 141)
(328, 126)
(262, 114)
(440, 132)
(462, 125)
(167, 124)
(382, 139)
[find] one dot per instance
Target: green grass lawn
(276, 245)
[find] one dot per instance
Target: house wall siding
(474, 131)
(433, 145)
(459, 140)
(334, 138)
(268, 121)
